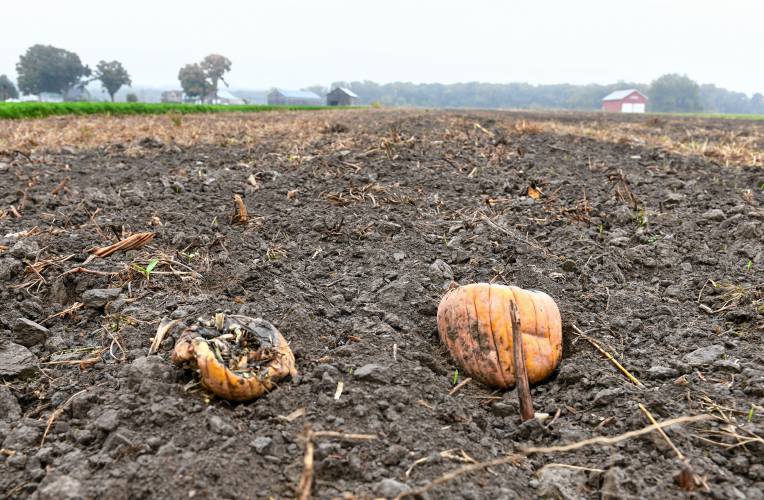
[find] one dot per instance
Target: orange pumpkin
(238, 358)
(474, 323)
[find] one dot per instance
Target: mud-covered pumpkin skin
(475, 324)
(208, 346)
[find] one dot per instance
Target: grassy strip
(21, 110)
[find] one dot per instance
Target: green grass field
(20, 110)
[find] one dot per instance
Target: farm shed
(225, 97)
(341, 97)
(625, 101)
(293, 98)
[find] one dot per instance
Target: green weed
(146, 271)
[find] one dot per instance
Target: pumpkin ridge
(510, 342)
(474, 326)
(502, 376)
(526, 345)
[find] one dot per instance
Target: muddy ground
(358, 222)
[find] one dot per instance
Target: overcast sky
(292, 44)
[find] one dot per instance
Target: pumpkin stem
(521, 373)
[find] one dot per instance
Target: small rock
(673, 198)
(372, 373)
(9, 268)
(10, 410)
(704, 355)
(569, 265)
(395, 454)
(605, 396)
(613, 481)
(399, 256)
(62, 488)
(715, 214)
(108, 421)
(98, 297)
(220, 426)
(28, 333)
(22, 436)
(756, 472)
(261, 444)
(16, 360)
(441, 270)
(732, 365)
(659, 372)
(557, 482)
(390, 488)
(25, 249)
(153, 368)
(503, 409)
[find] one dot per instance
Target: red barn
(625, 101)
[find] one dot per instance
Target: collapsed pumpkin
(238, 358)
(474, 323)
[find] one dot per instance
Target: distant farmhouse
(173, 96)
(341, 97)
(625, 101)
(294, 98)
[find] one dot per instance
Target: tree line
(44, 68)
(668, 93)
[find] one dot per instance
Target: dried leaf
(240, 210)
(130, 243)
(534, 192)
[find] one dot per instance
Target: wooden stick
(521, 372)
(306, 478)
(459, 386)
(608, 356)
(165, 326)
(56, 413)
(649, 416)
(240, 215)
(513, 458)
(615, 439)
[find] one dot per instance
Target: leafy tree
(757, 103)
(131, 97)
(675, 93)
(215, 66)
(112, 76)
(7, 89)
(44, 68)
(193, 80)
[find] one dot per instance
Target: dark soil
(657, 257)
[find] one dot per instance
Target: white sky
(292, 44)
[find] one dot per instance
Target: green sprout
(350, 371)
(455, 378)
(641, 218)
(751, 413)
(601, 229)
(146, 271)
(189, 256)
(749, 265)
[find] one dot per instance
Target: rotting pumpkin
(238, 358)
(474, 323)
